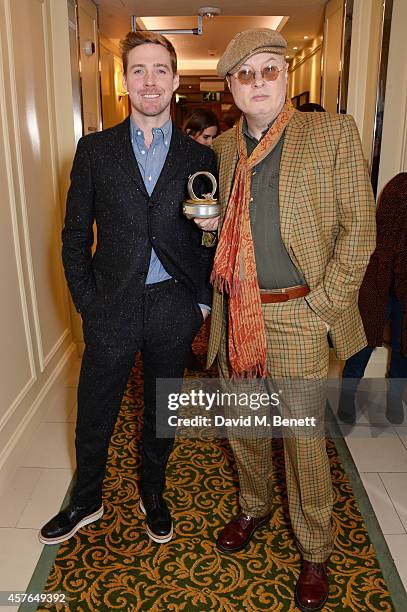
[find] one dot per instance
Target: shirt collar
(165, 130)
(246, 132)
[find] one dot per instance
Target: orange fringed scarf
(234, 270)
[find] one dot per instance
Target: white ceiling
(199, 54)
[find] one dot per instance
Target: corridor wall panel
(40, 210)
(36, 344)
(17, 362)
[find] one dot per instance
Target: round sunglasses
(247, 76)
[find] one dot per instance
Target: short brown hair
(142, 37)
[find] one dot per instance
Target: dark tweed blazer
(327, 219)
(107, 188)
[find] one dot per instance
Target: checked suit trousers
(297, 350)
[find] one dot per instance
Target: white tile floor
(40, 484)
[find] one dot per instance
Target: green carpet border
(44, 565)
(390, 574)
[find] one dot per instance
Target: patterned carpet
(112, 565)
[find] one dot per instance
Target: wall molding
(47, 28)
(393, 156)
(56, 346)
(12, 453)
(23, 196)
(16, 240)
(306, 57)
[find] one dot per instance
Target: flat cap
(245, 44)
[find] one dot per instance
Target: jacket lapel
(122, 149)
(173, 161)
(292, 159)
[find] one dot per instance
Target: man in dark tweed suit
(296, 231)
(146, 289)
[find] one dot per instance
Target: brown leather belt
(270, 296)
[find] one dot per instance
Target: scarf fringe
(231, 288)
(258, 370)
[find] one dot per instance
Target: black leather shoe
(65, 524)
(347, 407)
(394, 409)
(158, 518)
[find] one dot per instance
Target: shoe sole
(307, 608)
(233, 550)
(153, 536)
(91, 518)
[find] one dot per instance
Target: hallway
(43, 478)
(61, 77)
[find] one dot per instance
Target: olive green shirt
(275, 269)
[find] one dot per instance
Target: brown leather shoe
(312, 588)
(237, 534)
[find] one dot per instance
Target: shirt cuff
(205, 307)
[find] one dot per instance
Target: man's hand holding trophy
(205, 210)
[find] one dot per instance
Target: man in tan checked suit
(295, 234)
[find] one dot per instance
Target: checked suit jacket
(107, 188)
(327, 219)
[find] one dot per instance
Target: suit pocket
(314, 316)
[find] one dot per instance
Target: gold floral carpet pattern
(112, 564)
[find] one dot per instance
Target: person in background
(230, 118)
(202, 125)
(382, 298)
(311, 107)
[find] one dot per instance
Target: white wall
(36, 147)
(332, 53)
(305, 72)
(90, 77)
(393, 158)
(364, 67)
(115, 108)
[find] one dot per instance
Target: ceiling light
(306, 37)
(287, 56)
(295, 48)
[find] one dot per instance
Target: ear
(124, 82)
(175, 82)
(228, 81)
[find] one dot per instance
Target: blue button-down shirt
(150, 162)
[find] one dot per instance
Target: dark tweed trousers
(161, 326)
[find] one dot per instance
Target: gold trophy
(201, 208)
